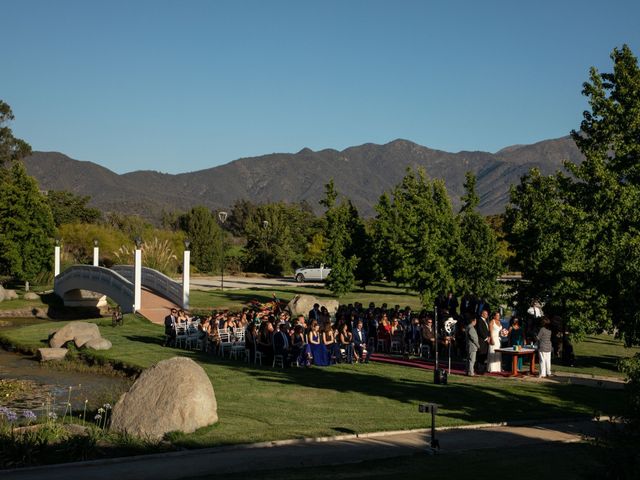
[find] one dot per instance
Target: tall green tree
(417, 233)
(206, 236)
(11, 148)
(68, 207)
(577, 237)
(339, 251)
(26, 226)
(478, 263)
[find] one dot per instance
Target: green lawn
(598, 355)
(236, 299)
(260, 403)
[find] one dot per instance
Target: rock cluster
(172, 395)
(83, 334)
(302, 304)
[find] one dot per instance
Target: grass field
(236, 299)
(260, 403)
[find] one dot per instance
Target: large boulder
(2, 293)
(31, 296)
(72, 331)
(302, 304)
(172, 395)
(49, 354)
(10, 295)
(98, 344)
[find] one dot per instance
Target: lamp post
(96, 253)
(222, 216)
(186, 271)
(56, 258)
(137, 276)
(265, 225)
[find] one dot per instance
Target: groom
(482, 327)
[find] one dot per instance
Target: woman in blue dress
(317, 349)
(516, 337)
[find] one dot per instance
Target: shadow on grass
(605, 362)
(465, 402)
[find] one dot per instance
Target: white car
(311, 274)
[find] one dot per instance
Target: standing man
(472, 346)
(482, 328)
(314, 313)
(170, 328)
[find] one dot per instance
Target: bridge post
(96, 253)
(56, 258)
(137, 276)
(186, 272)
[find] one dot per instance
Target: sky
(178, 86)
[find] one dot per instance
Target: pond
(26, 384)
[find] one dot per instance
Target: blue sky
(179, 86)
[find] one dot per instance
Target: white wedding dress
(494, 359)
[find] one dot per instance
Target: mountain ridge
(361, 173)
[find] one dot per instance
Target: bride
(494, 359)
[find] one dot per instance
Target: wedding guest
(544, 347)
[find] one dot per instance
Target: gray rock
(31, 296)
(98, 344)
(40, 313)
(49, 354)
(302, 304)
(172, 395)
(2, 293)
(83, 331)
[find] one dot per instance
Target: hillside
(362, 173)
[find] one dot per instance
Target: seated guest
(282, 343)
(182, 318)
(318, 350)
(298, 346)
(329, 341)
(384, 332)
(412, 336)
(429, 335)
(251, 340)
(265, 341)
(213, 337)
(360, 343)
(345, 342)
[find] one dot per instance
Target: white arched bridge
(118, 283)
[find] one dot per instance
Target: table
(520, 353)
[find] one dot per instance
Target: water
(43, 387)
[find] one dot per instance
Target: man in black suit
(482, 327)
(360, 342)
(170, 328)
(314, 313)
(282, 343)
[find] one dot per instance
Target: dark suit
(482, 327)
(282, 345)
(360, 343)
(170, 330)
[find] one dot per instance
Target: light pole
(222, 216)
(56, 258)
(96, 253)
(137, 276)
(186, 270)
(265, 225)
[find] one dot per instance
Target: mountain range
(361, 173)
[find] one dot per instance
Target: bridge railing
(98, 279)
(154, 280)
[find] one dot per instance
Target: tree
(416, 236)
(478, 263)
(11, 148)
(577, 237)
(362, 248)
(206, 237)
(26, 226)
(67, 207)
(339, 252)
